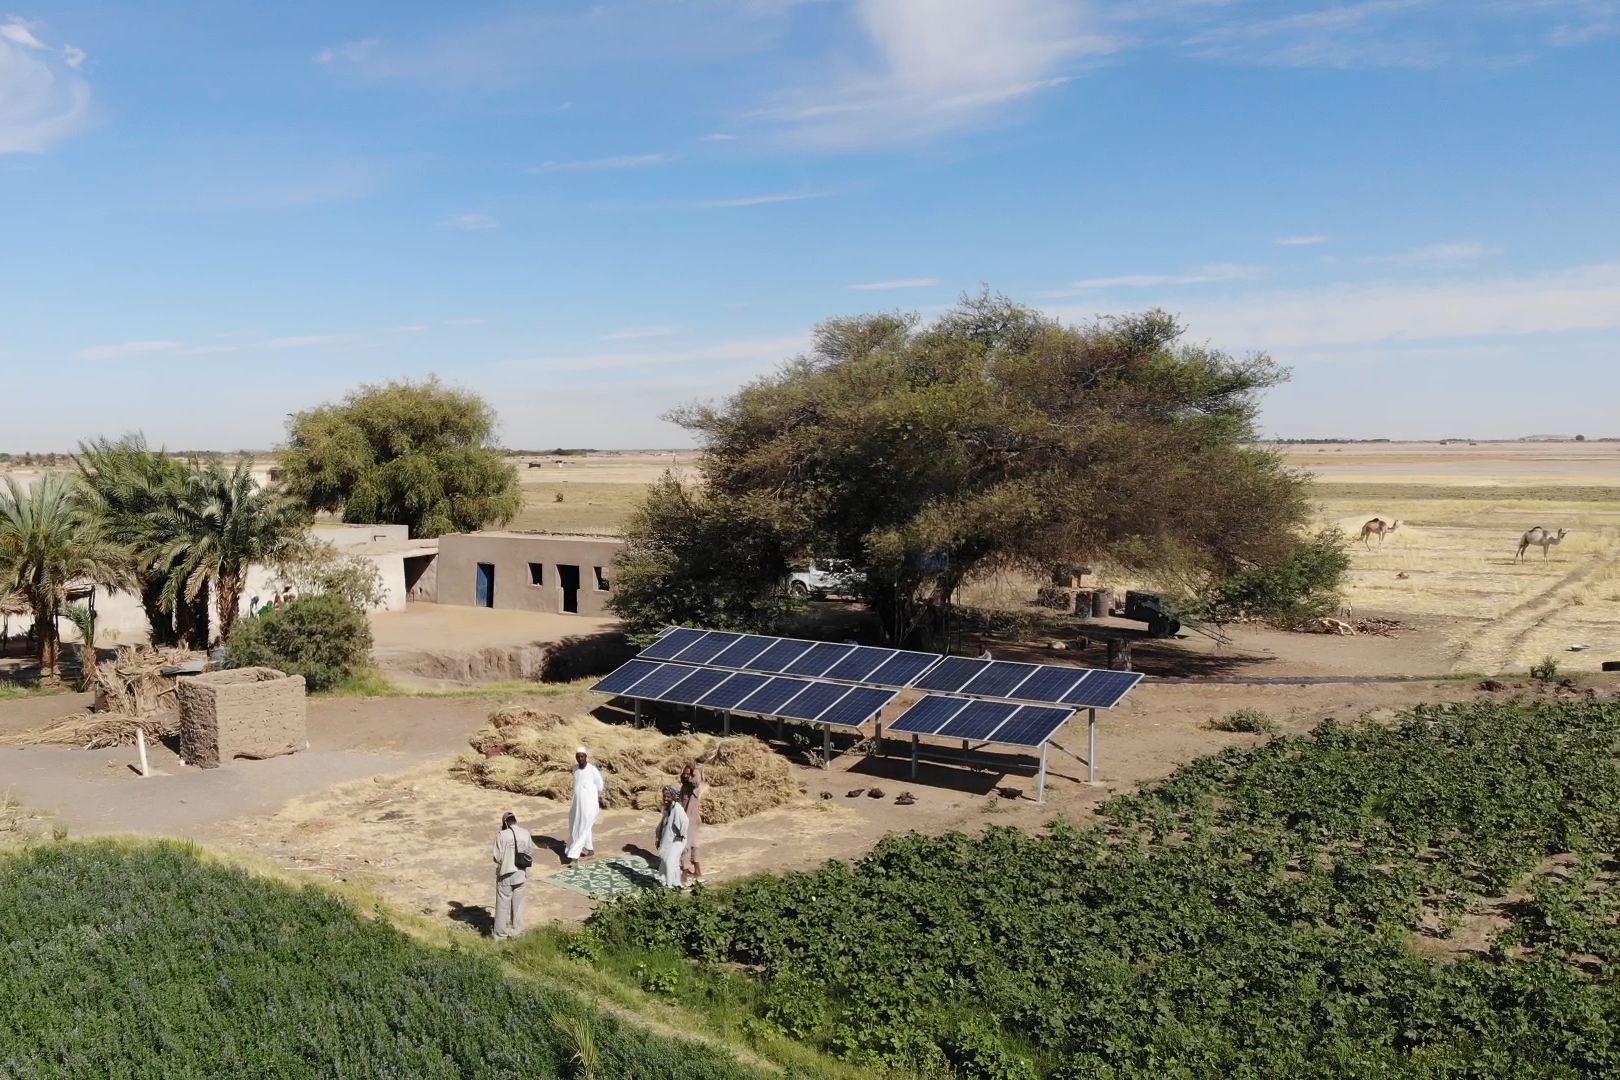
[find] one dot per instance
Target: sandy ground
(433, 646)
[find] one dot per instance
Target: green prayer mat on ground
(606, 879)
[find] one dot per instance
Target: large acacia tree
(403, 453)
(997, 436)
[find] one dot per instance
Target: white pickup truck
(822, 578)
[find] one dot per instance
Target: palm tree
(48, 543)
(223, 523)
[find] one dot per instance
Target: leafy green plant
(1245, 720)
(579, 1037)
(1306, 584)
(657, 980)
(1545, 671)
(322, 638)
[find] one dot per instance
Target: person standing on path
(671, 837)
(514, 854)
(588, 789)
(692, 791)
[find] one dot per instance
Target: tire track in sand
(1491, 649)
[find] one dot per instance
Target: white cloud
(627, 161)
(1435, 255)
(941, 65)
(632, 332)
(1201, 276)
(761, 200)
(306, 341)
(128, 348)
(472, 221)
(72, 56)
(907, 283)
(354, 52)
(1298, 241)
(42, 97)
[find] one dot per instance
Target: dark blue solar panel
(901, 668)
(978, 721)
(1102, 689)
(1033, 725)
(813, 701)
(951, 674)
(770, 697)
(708, 648)
(928, 715)
(860, 663)
(692, 688)
(660, 682)
(819, 659)
(617, 682)
(778, 656)
(1050, 683)
(857, 707)
(746, 648)
(733, 690)
(999, 679)
(670, 645)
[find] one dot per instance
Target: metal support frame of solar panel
(806, 700)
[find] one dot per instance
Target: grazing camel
(1541, 537)
(1378, 527)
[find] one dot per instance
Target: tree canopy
(998, 436)
(402, 453)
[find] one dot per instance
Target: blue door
(485, 591)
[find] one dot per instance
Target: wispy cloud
(128, 348)
(905, 283)
(1201, 276)
(1434, 255)
(719, 137)
(353, 52)
(761, 200)
(1300, 241)
(472, 221)
(305, 341)
(42, 97)
(632, 332)
(626, 161)
(463, 322)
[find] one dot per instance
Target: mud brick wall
(245, 712)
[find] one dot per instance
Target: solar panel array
(811, 681)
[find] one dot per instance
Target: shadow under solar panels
(857, 707)
(770, 697)
(617, 682)
(711, 645)
(692, 688)
(731, 692)
(1032, 725)
(1102, 689)
(928, 715)
(951, 673)
(999, 679)
(670, 645)
(901, 669)
(812, 701)
(978, 721)
(818, 659)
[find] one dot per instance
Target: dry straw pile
(131, 692)
(532, 753)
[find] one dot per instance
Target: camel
(1541, 537)
(1378, 527)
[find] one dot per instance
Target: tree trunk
(191, 620)
(229, 600)
(160, 620)
(50, 647)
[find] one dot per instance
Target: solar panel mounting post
(826, 746)
(1091, 750)
(638, 712)
(914, 757)
(1040, 783)
(726, 714)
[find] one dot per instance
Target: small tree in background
(403, 453)
(323, 638)
(320, 568)
(1305, 585)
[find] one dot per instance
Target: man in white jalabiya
(588, 789)
(671, 837)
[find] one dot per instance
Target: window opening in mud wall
(601, 580)
(568, 578)
(537, 573)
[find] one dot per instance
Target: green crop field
(125, 961)
(1430, 898)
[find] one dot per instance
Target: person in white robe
(588, 789)
(671, 837)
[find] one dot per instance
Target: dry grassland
(598, 491)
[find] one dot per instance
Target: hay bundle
(131, 692)
(532, 753)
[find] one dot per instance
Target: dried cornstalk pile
(131, 692)
(532, 753)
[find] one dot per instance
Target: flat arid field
(590, 493)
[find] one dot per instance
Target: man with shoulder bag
(514, 854)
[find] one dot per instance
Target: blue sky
(213, 215)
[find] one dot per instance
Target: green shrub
(1246, 721)
(1546, 671)
(323, 638)
(1306, 585)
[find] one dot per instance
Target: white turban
(582, 750)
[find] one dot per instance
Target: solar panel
(1033, 725)
(860, 663)
(901, 668)
(1050, 683)
(670, 645)
(711, 645)
(772, 696)
(746, 648)
(951, 674)
(692, 688)
(812, 701)
(733, 690)
(857, 707)
(928, 715)
(778, 656)
(617, 682)
(978, 721)
(660, 682)
(999, 679)
(1102, 689)
(819, 659)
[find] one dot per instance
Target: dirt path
(1494, 647)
